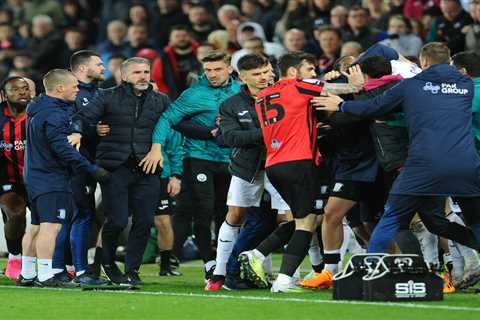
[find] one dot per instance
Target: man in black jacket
(240, 129)
(131, 110)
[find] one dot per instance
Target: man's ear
(292, 72)
(230, 69)
(463, 71)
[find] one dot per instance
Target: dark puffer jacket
(131, 120)
(241, 130)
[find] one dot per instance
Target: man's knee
(236, 215)
(50, 229)
(308, 223)
(162, 222)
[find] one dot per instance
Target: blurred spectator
(253, 45)
(448, 27)
(250, 9)
(181, 53)
(267, 16)
(248, 30)
(294, 40)
(6, 16)
(161, 71)
(229, 18)
(330, 40)
(360, 31)
(220, 40)
(309, 15)
(396, 8)
(201, 22)
(116, 32)
(9, 44)
(202, 51)
(138, 14)
(46, 45)
(168, 14)
(338, 18)
(113, 67)
(75, 41)
(51, 8)
(137, 39)
(351, 48)
(77, 17)
(376, 9)
(472, 37)
(401, 39)
(16, 7)
(415, 9)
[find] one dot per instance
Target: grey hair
(135, 60)
(228, 7)
(42, 18)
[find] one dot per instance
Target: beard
(18, 106)
(183, 46)
(142, 86)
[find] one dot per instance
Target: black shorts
(323, 188)
(52, 207)
(297, 183)
(352, 190)
(165, 202)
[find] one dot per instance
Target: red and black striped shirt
(13, 137)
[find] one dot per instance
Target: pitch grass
(184, 298)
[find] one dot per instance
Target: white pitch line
(271, 299)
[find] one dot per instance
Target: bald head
(61, 84)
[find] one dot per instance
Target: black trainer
(115, 275)
(234, 282)
(209, 273)
(63, 276)
(174, 262)
(22, 282)
(94, 270)
(90, 280)
(169, 273)
(134, 278)
(49, 283)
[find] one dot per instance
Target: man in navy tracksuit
(49, 160)
(88, 68)
(442, 159)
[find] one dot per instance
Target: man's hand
(214, 132)
(152, 160)
(329, 102)
(355, 76)
(102, 129)
(174, 186)
(75, 140)
(332, 75)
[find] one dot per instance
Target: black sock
(296, 251)
(97, 260)
(165, 259)
(331, 258)
(14, 246)
(319, 267)
(277, 239)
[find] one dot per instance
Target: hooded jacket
(442, 159)
(200, 104)
(49, 158)
(87, 91)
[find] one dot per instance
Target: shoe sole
(247, 272)
(113, 282)
(470, 282)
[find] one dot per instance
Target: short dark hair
(251, 61)
(216, 55)
(376, 66)
(4, 83)
(179, 27)
(117, 56)
(333, 29)
(81, 57)
(469, 60)
(294, 59)
(436, 52)
(357, 7)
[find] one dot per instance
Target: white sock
(457, 261)
(209, 264)
(57, 270)
(428, 244)
(331, 267)
(28, 267)
(259, 255)
(469, 255)
(314, 251)
(70, 268)
(284, 279)
(45, 271)
(296, 274)
(227, 236)
(346, 240)
(14, 256)
(267, 265)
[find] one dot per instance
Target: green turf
(184, 298)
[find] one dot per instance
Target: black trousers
(207, 183)
(128, 189)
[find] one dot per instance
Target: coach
(131, 109)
